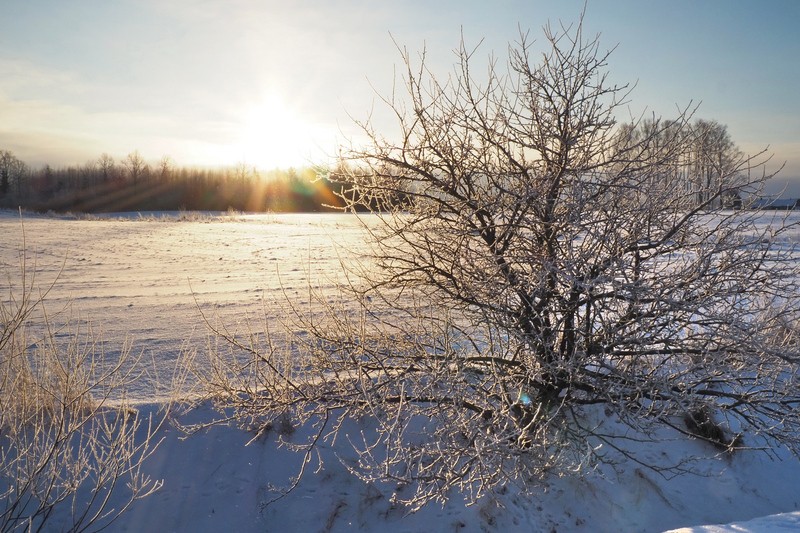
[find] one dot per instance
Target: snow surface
(774, 523)
(145, 278)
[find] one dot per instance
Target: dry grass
(65, 447)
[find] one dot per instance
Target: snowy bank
(221, 479)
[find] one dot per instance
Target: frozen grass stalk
(71, 449)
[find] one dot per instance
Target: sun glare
(273, 135)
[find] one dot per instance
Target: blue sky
(275, 83)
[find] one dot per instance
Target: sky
(276, 84)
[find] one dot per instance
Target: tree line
(700, 162)
(134, 184)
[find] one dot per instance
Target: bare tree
(12, 170)
(136, 165)
(107, 167)
(714, 157)
(90, 173)
(6, 160)
(166, 168)
(541, 291)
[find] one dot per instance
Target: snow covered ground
(775, 523)
(146, 279)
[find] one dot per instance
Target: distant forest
(132, 184)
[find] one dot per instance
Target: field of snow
(147, 278)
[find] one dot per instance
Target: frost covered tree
(714, 156)
(707, 156)
(541, 290)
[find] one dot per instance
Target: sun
(273, 135)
